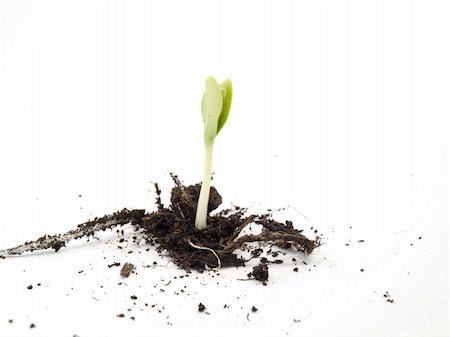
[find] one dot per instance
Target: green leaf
(226, 88)
(211, 108)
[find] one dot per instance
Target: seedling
(167, 225)
(216, 104)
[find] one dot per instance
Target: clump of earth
(172, 228)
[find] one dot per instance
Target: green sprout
(216, 104)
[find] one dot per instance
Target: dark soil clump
(260, 272)
(172, 227)
(201, 307)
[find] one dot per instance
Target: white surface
(340, 110)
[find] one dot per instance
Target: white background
(340, 110)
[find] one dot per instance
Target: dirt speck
(114, 264)
(388, 297)
(126, 269)
(260, 272)
(201, 307)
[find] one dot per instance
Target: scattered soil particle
(126, 269)
(388, 297)
(260, 272)
(114, 264)
(254, 309)
(120, 315)
(361, 270)
(10, 321)
(133, 297)
(32, 326)
(256, 252)
(295, 269)
(201, 307)
(30, 287)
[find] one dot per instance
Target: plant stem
(202, 206)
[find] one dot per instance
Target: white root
(219, 263)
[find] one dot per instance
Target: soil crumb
(260, 272)
(201, 307)
(126, 269)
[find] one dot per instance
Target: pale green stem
(202, 206)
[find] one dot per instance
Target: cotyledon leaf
(211, 108)
(226, 88)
